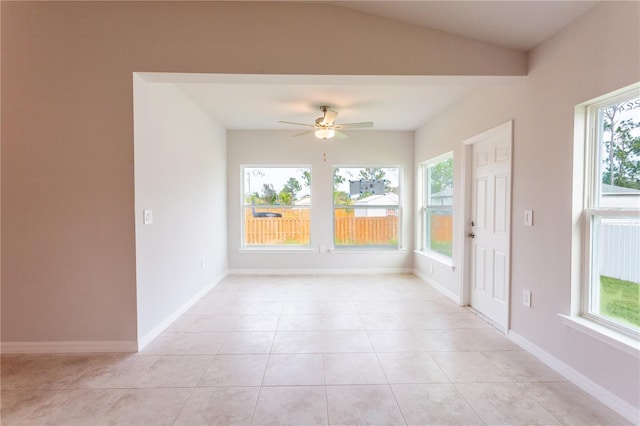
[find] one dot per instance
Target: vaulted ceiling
(391, 102)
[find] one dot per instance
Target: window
(366, 206)
(611, 288)
(437, 219)
(276, 205)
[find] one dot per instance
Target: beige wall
(68, 241)
(68, 217)
(598, 54)
(361, 148)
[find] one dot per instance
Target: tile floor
(304, 350)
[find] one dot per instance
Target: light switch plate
(526, 298)
(528, 218)
(147, 217)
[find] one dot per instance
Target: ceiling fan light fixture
(325, 128)
(325, 133)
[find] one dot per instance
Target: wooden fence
(441, 228)
(366, 230)
(295, 230)
(276, 230)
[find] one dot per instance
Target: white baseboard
(105, 346)
(445, 291)
(157, 330)
(68, 347)
(346, 271)
(603, 395)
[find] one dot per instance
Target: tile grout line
(193, 390)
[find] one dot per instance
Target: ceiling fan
(325, 127)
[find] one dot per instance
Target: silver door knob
(471, 235)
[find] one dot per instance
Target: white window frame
(397, 207)
(424, 244)
(267, 247)
(592, 210)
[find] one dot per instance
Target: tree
(292, 187)
(306, 178)
(269, 195)
(338, 179)
(252, 198)
(285, 197)
(372, 173)
(621, 140)
(340, 198)
(441, 176)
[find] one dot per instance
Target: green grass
(620, 300)
(442, 247)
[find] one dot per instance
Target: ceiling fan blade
(329, 117)
(303, 133)
(340, 135)
(297, 124)
(354, 125)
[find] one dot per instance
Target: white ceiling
(520, 25)
(257, 102)
(392, 103)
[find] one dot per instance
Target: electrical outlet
(526, 298)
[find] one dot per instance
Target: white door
(489, 227)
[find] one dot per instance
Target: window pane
(438, 213)
(277, 203)
(619, 137)
(366, 226)
(369, 215)
(439, 230)
(615, 290)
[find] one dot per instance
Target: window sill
(273, 249)
(366, 249)
(610, 337)
(436, 257)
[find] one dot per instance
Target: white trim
(157, 330)
(585, 286)
(437, 159)
(422, 194)
(603, 333)
(401, 220)
(367, 250)
(78, 346)
(614, 97)
(248, 248)
(445, 261)
(276, 249)
(445, 291)
(486, 319)
(362, 249)
(603, 395)
(466, 263)
(332, 271)
(465, 209)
